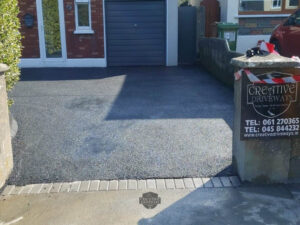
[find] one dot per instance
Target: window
(292, 4)
(276, 4)
(83, 17)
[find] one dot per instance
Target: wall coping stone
(3, 68)
(267, 61)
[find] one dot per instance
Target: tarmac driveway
(135, 122)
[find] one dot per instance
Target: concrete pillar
(262, 153)
(6, 157)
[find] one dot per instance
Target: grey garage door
(136, 32)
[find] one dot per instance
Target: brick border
(118, 185)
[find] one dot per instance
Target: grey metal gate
(136, 32)
(187, 34)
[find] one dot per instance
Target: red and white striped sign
(268, 78)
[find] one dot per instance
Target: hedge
(10, 40)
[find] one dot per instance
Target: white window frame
(83, 29)
(288, 6)
(277, 6)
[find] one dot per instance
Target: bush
(10, 40)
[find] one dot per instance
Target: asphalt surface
(135, 122)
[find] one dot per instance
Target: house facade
(256, 18)
(98, 33)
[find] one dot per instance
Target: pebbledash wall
(82, 50)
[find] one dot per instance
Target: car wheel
(277, 46)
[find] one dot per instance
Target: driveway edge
(118, 185)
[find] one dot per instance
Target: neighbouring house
(256, 18)
(99, 33)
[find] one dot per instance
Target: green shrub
(10, 40)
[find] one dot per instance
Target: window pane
(260, 5)
(83, 14)
(51, 28)
(293, 2)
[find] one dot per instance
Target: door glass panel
(83, 15)
(52, 29)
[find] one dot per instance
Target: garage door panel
(131, 43)
(136, 36)
(139, 31)
(145, 13)
(125, 48)
(147, 53)
(117, 25)
(135, 6)
(134, 19)
(136, 32)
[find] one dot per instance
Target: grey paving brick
(95, 185)
(142, 185)
(226, 182)
(75, 186)
(26, 189)
(207, 183)
(16, 191)
(8, 189)
(46, 188)
(85, 185)
(235, 181)
(122, 184)
(151, 184)
(188, 183)
(132, 184)
(113, 185)
(103, 185)
(36, 188)
(216, 182)
(198, 182)
(160, 184)
(179, 184)
(55, 188)
(65, 187)
(170, 184)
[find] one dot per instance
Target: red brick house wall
(84, 45)
(30, 39)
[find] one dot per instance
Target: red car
(286, 37)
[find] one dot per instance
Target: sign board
(271, 108)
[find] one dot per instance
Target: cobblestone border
(115, 185)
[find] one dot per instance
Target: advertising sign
(270, 106)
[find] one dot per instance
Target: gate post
(6, 157)
(267, 118)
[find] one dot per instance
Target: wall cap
(3, 68)
(268, 61)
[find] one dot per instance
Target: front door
(51, 30)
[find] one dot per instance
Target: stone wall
(215, 57)
(6, 158)
(294, 172)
